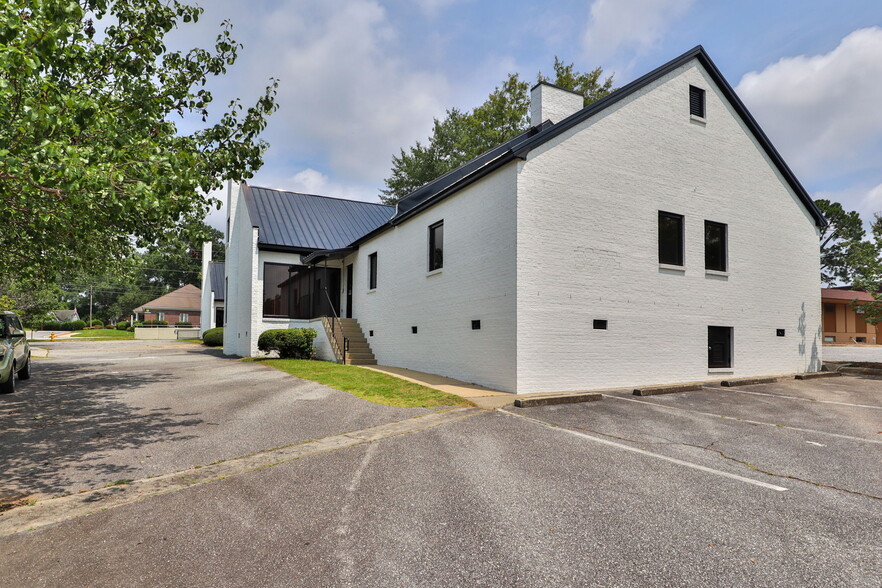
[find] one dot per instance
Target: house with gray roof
(655, 236)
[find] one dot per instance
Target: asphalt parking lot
(773, 485)
(97, 412)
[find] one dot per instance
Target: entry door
(349, 291)
(719, 347)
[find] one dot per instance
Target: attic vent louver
(696, 101)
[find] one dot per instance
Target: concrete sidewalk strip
(531, 400)
(54, 510)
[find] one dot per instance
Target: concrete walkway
(481, 396)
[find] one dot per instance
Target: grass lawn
(366, 384)
(104, 334)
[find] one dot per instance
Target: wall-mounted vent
(779, 332)
(476, 325)
(370, 333)
(600, 324)
(413, 330)
(696, 101)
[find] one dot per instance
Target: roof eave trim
(283, 248)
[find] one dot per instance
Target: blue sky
(361, 78)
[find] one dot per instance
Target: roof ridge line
(320, 196)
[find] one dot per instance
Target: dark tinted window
(372, 271)
(696, 101)
(714, 246)
(299, 291)
(670, 238)
(436, 246)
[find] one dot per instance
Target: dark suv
(15, 353)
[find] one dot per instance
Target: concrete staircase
(359, 352)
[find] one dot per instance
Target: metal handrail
(335, 325)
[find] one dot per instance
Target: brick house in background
(180, 306)
(841, 323)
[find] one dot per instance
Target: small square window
(476, 325)
(600, 324)
(829, 339)
(413, 330)
(696, 101)
(779, 332)
(861, 339)
(370, 333)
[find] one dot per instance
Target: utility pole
(91, 289)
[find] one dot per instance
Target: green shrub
(183, 324)
(290, 343)
(122, 326)
(95, 323)
(52, 326)
(74, 325)
(151, 323)
(213, 337)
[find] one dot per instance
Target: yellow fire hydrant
(52, 336)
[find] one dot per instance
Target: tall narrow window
(670, 238)
(719, 347)
(436, 246)
(696, 101)
(715, 246)
(372, 271)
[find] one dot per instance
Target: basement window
(600, 324)
(696, 102)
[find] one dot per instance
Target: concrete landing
(481, 396)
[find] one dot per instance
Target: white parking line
(650, 454)
(803, 399)
(748, 421)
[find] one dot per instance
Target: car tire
(8, 387)
(25, 372)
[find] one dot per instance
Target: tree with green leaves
(462, 136)
(846, 254)
(92, 164)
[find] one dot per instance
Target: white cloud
(431, 8)
(632, 26)
(823, 111)
(347, 94)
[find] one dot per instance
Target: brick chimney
(550, 102)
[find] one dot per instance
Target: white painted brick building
(653, 237)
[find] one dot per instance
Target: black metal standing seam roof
(520, 146)
(308, 222)
(216, 279)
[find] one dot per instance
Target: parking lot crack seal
(55, 510)
(709, 447)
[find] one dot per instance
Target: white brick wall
(476, 282)
(548, 102)
(539, 249)
(241, 277)
(587, 249)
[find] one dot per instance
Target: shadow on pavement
(60, 424)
